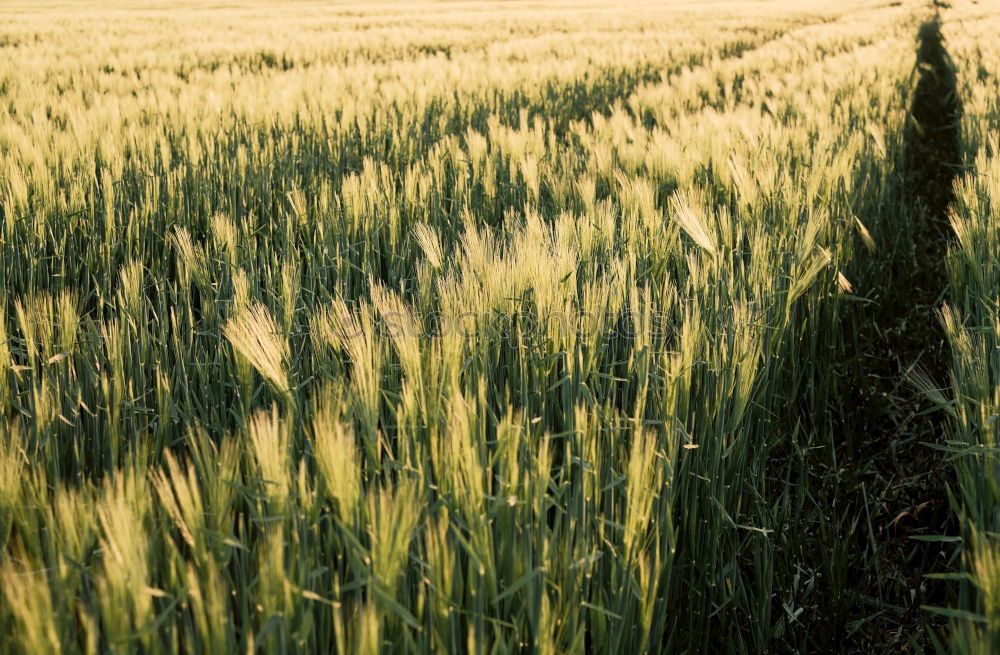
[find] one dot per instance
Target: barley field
(525, 326)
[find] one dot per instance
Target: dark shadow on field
(884, 486)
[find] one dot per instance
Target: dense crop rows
(461, 328)
(972, 322)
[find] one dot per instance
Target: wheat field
(535, 326)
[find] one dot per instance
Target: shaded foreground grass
(885, 485)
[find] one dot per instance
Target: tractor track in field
(886, 483)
